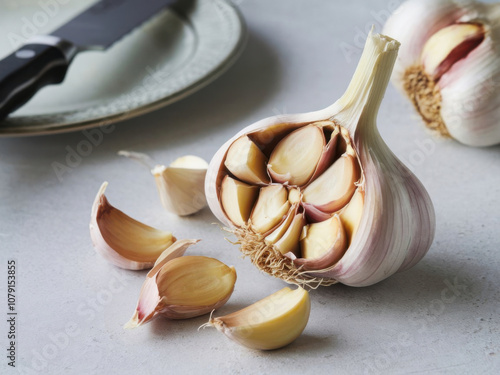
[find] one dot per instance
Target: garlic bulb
(450, 69)
(318, 198)
(180, 185)
(270, 323)
(123, 241)
(183, 287)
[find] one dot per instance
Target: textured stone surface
(440, 317)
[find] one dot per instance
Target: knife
(45, 59)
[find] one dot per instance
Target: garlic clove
(123, 241)
(270, 209)
(352, 213)
(149, 298)
(183, 288)
(196, 281)
(270, 323)
(405, 25)
(176, 250)
(276, 234)
(323, 244)
(330, 150)
(289, 242)
(247, 162)
(294, 196)
(335, 187)
(238, 199)
(296, 156)
(180, 185)
(448, 45)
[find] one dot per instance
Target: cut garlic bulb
(268, 324)
(183, 287)
(123, 241)
(450, 70)
(339, 207)
(180, 185)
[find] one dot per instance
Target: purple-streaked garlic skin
(410, 31)
(150, 303)
(469, 90)
(398, 222)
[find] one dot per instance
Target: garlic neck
(358, 107)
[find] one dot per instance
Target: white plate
(166, 59)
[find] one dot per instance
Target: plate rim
(201, 82)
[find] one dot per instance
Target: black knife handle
(26, 71)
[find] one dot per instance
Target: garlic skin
(463, 103)
(183, 287)
(397, 223)
(180, 185)
(123, 241)
(268, 324)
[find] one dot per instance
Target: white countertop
(442, 316)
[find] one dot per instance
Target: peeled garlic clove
(294, 196)
(183, 288)
(323, 244)
(270, 323)
(335, 187)
(123, 241)
(329, 152)
(270, 209)
(450, 69)
(247, 162)
(385, 213)
(296, 157)
(276, 235)
(352, 213)
(238, 199)
(180, 185)
(289, 242)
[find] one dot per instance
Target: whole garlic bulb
(450, 68)
(318, 198)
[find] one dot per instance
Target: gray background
(440, 317)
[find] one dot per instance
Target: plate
(166, 59)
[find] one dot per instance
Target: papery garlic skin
(123, 241)
(397, 223)
(181, 185)
(464, 102)
(183, 287)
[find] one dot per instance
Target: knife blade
(45, 59)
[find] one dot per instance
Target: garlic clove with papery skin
(268, 324)
(386, 216)
(180, 185)
(183, 287)
(123, 241)
(450, 69)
